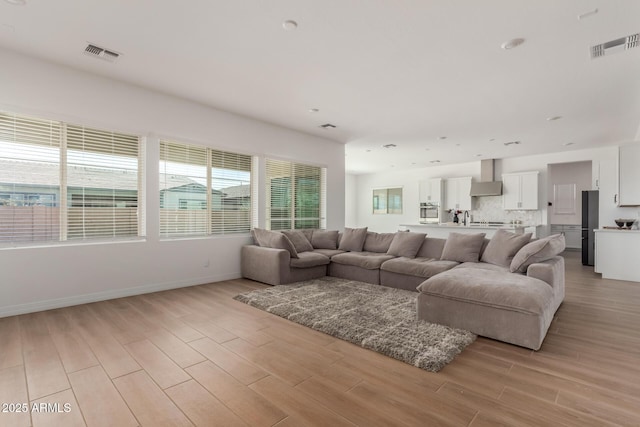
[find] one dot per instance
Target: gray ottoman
(505, 306)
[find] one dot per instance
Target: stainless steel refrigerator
(590, 206)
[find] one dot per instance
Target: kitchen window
(387, 201)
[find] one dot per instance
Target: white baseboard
(35, 306)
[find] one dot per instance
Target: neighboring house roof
(237, 191)
(42, 174)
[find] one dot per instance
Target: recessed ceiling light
(17, 2)
(313, 110)
(512, 43)
(457, 145)
(434, 161)
(553, 118)
(389, 146)
(442, 137)
(289, 25)
(328, 126)
(492, 139)
(427, 149)
(478, 155)
(368, 151)
(566, 144)
(512, 143)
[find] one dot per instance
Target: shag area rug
(375, 317)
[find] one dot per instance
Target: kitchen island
(443, 230)
(617, 254)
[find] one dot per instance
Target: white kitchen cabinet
(572, 234)
(431, 191)
(457, 193)
(520, 190)
(629, 175)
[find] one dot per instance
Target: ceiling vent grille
(101, 53)
(614, 46)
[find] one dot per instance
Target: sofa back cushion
(503, 246)
(299, 240)
(463, 247)
(431, 248)
(274, 239)
(378, 242)
(353, 239)
(324, 239)
(537, 251)
(406, 244)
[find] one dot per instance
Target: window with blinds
(102, 183)
(203, 191)
(65, 182)
(295, 195)
(29, 179)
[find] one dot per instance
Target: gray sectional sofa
(507, 288)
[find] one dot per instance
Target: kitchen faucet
(464, 217)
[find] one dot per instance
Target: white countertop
(471, 227)
(616, 230)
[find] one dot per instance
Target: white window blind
(102, 183)
(203, 191)
(231, 192)
(29, 179)
(295, 195)
(65, 182)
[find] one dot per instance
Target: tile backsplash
(489, 208)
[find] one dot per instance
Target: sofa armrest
(266, 265)
(551, 272)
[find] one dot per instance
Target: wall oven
(429, 213)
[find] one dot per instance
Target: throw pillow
(299, 240)
(353, 239)
(537, 251)
(378, 242)
(503, 246)
(406, 244)
(462, 247)
(275, 240)
(324, 239)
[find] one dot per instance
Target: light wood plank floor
(194, 356)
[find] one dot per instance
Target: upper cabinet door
(435, 190)
(458, 193)
(629, 175)
(520, 191)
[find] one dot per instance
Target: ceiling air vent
(101, 53)
(328, 126)
(613, 46)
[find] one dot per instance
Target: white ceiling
(383, 71)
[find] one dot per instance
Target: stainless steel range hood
(487, 186)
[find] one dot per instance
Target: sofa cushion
(299, 240)
(431, 248)
(503, 246)
(324, 239)
(309, 259)
(366, 260)
(353, 239)
(483, 266)
(463, 247)
(275, 240)
(406, 244)
(420, 267)
(503, 290)
(378, 242)
(537, 251)
(328, 252)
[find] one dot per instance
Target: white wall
(45, 277)
(605, 173)
(351, 201)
